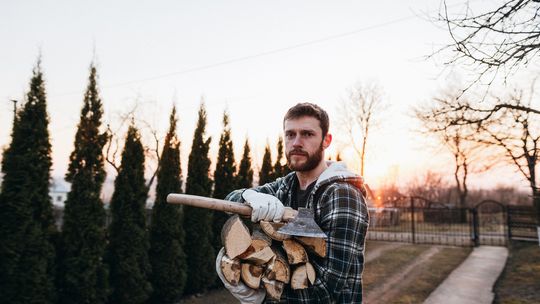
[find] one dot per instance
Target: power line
(257, 55)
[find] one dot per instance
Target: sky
(254, 59)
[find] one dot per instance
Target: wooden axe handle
(220, 205)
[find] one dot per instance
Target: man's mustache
(298, 152)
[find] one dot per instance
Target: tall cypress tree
(280, 169)
(127, 253)
(197, 222)
(244, 178)
(266, 174)
(224, 178)
(26, 219)
(83, 274)
(169, 269)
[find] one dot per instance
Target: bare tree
(514, 132)
(112, 149)
(455, 137)
(359, 114)
(505, 36)
(430, 187)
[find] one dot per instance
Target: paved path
(473, 280)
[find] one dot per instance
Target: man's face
(304, 144)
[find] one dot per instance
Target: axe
(299, 223)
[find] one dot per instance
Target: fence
(488, 223)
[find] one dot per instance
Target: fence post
(413, 228)
(509, 235)
(476, 236)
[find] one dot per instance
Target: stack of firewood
(267, 258)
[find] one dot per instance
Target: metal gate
(490, 225)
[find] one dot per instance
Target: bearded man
(337, 198)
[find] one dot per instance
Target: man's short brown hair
(312, 110)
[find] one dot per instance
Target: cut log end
(271, 229)
(235, 237)
(231, 269)
(315, 245)
(310, 273)
(251, 275)
(278, 269)
(299, 279)
(274, 288)
(260, 257)
(296, 253)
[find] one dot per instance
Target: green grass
(520, 280)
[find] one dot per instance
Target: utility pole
(14, 109)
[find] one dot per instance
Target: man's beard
(311, 163)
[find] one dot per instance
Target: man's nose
(297, 142)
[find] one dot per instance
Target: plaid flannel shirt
(340, 210)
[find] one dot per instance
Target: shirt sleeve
(269, 188)
(344, 218)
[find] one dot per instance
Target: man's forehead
(304, 123)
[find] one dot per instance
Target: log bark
(274, 288)
(315, 245)
(295, 252)
(271, 229)
(235, 237)
(231, 269)
(251, 275)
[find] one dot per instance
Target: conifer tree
(197, 222)
(280, 169)
(27, 228)
(224, 178)
(166, 230)
(83, 275)
(267, 173)
(127, 253)
(244, 178)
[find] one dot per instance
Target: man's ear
(327, 140)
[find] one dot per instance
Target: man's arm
(344, 219)
(269, 188)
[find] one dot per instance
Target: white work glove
(241, 292)
(265, 206)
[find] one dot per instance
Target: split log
(260, 257)
(235, 237)
(230, 269)
(310, 273)
(299, 279)
(271, 229)
(251, 275)
(278, 269)
(260, 239)
(295, 252)
(274, 288)
(316, 245)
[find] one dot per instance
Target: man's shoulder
(344, 186)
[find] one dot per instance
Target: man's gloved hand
(242, 292)
(265, 206)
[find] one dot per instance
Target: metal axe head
(303, 225)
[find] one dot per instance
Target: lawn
(408, 274)
(520, 281)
